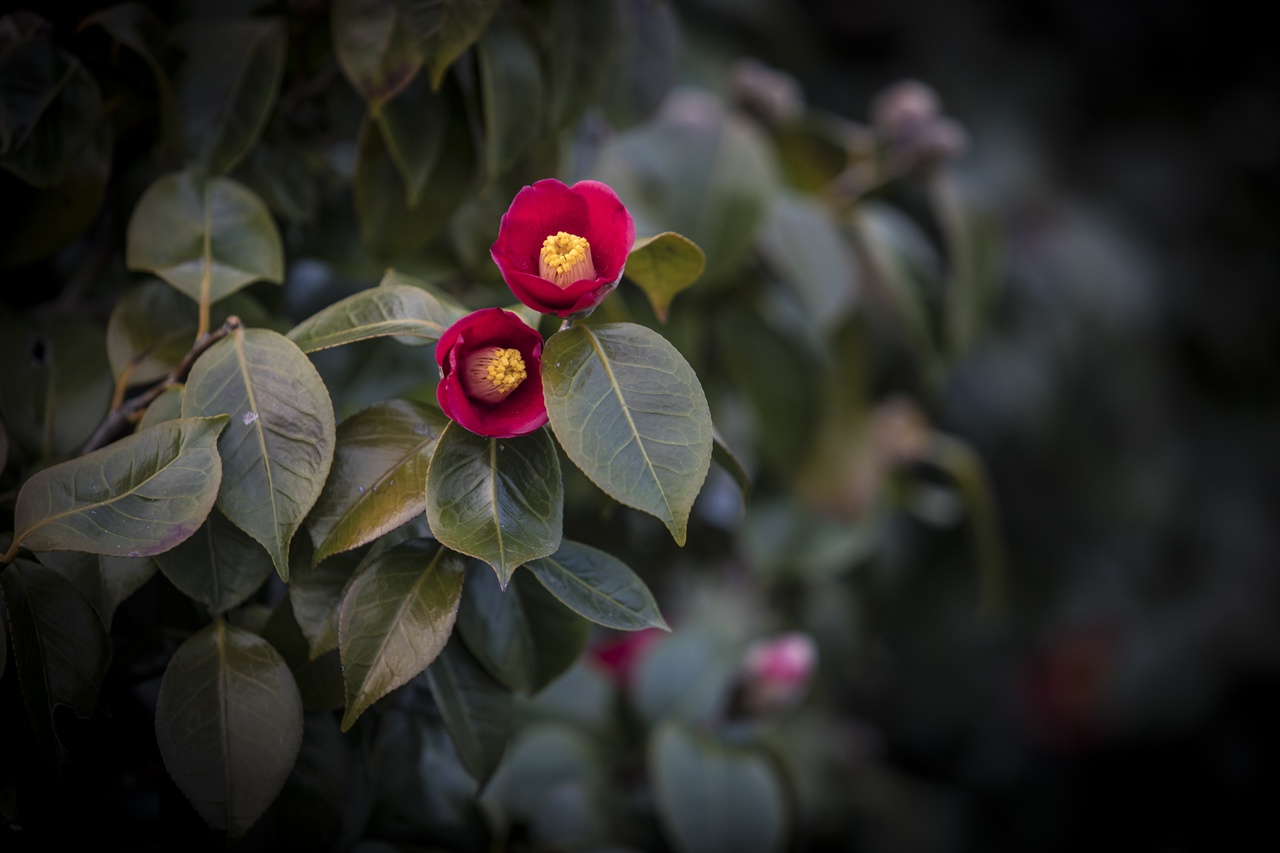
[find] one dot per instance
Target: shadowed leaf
(105, 582)
(478, 711)
(219, 566)
(377, 51)
(445, 28)
(599, 587)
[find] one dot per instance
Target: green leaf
(725, 458)
(105, 582)
(511, 91)
(379, 475)
(220, 565)
(478, 711)
(166, 407)
(59, 645)
(55, 386)
(277, 450)
(498, 499)
(388, 309)
(151, 328)
(227, 87)
(640, 68)
(522, 635)
(413, 125)
(629, 412)
(445, 28)
(599, 587)
(316, 594)
(713, 797)
(319, 678)
(140, 496)
(664, 265)
(375, 47)
(229, 724)
(802, 244)
(208, 238)
(396, 616)
(575, 36)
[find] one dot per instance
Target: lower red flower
(491, 374)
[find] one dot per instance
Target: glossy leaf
(376, 50)
(59, 645)
(478, 711)
(227, 87)
(599, 587)
(629, 411)
(208, 238)
(712, 797)
(140, 496)
(664, 265)
(105, 582)
(511, 91)
(229, 724)
(522, 635)
(388, 309)
(220, 565)
(166, 407)
(413, 125)
(379, 475)
(316, 594)
(396, 617)
(445, 28)
(278, 447)
(500, 500)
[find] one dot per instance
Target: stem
(123, 411)
(11, 553)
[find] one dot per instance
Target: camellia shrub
(345, 445)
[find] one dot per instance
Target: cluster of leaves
(259, 477)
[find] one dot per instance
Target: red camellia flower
(491, 374)
(561, 249)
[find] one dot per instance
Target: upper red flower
(491, 374)
(561, 249)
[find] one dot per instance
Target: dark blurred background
(1127, 403)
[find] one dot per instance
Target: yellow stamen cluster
(495, 372)
(565, 258)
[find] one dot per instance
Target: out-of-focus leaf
(642, 65)
(105, 582)
(500, 500)
(388, 309)
(810, 154)
(55, 387)
(49, 105)
(396, 617)
(599, 587)
(278, 447)
(686, 677)
(629, 412)
(478, 711)
(219, 566)
(522, 635)
(725, 458)
(166, 407)
(712, 797)
(137, 497)
(379, 475)
(445, 28)
(229, 724)
(279, 169)
(803, 245)
(544, 756)
(511, 90)
(208, 238)
(413, 127)
(310, 807)
(4, 447)
(376, 49)
(59, 644)
(316, 594)
(227, 87)
(974, 261)
(664, 265)
(575, 36)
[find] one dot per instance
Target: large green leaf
(396, 616)
(227, 87)
(522, 635)
(379, 475)
(388, 309)
(229, 724)
(629, 412)
(511, 90)
(277, 450)
(55, 387)
(663, 265)
(445, 28)
(206, 237)
(478, 711)
(140, 496)
(498, 499)
(219, 566)
(413, 125)
(105, 582)
(166, 407)
(375, 48)
(59, 644)
(713, 797)
(599, 587)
